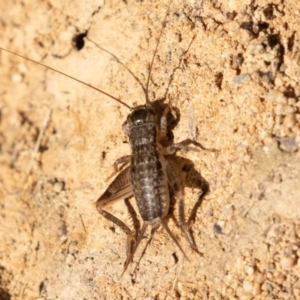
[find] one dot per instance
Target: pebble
(287, 262)
(288, 144)
(278, 81)
(280, 278)
(16, 78)
(249, 270)
(247, 286)
(241, 78)
(58, 187)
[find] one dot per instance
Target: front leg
(165, 126)
(185, 146)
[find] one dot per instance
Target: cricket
(150, 173)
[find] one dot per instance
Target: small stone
(259, 277)
(288, 144)
(58, 187)
(278, 81)
(241, 78)
(287, 262)
(266, 286)
(247, 286)
(289, 120)
(279, 109)
(256, 289)
(16, 78)
(249, 270)
(280, 278)
(230, 291)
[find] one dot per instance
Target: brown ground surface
(237, 87)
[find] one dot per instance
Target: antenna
(57, 71)
(155, 51)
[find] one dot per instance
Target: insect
(150, 173)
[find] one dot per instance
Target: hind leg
(120, 188)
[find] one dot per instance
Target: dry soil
(232, 68)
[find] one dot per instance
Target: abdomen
(149, 181)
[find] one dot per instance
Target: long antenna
(82, 82)
(155, 51)
(119, 62)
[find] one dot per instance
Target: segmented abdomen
(147, 171)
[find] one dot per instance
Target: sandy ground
(232, 68)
